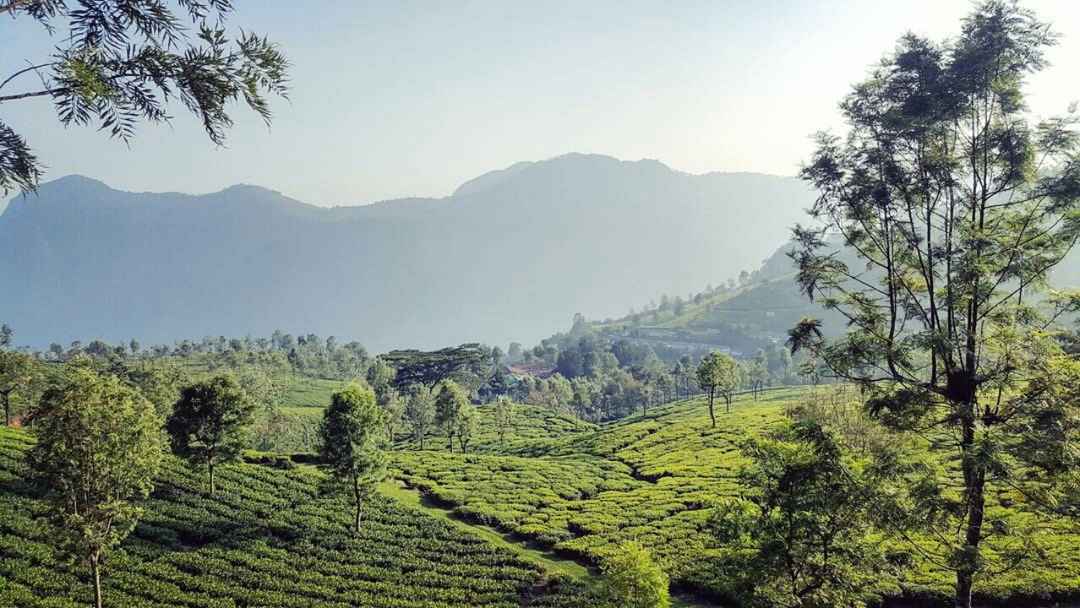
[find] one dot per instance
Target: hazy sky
(405, 98)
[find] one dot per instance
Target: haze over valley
(82, 260)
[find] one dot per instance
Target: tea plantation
(656, 480)
(267, 539)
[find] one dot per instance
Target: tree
(798, 536)
(633, 580)
(6, 335)
(264, 385)
(952, 209)
(393, 410)
(420, 411)
(209, 423)
(466, 426)
(758, 372)
(448, 405)
(679, 373)
(349, 448)
(98, 450)
(718, 373)
(16, 378)
(380, 375)
(504, 415)
(122, 62)
(468, 363)
(159, 382)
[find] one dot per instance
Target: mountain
(510, 255)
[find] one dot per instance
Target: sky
(404, 98)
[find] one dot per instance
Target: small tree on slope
(98, 450)
(718, 374)
(350, 436)
(633, 580)
(209, 423)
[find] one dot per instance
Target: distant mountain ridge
(510, 255)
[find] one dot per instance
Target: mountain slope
(512, 254)
(755, 315)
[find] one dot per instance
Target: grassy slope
(268, 539)
(655, 480)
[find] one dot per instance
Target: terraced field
(655, 480)
(268, 539)
(553, 489)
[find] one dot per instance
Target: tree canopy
(633, 580)
(350, 434)
(121, 62)
(98, 450)
(956, 208)
(798, 535)
(718, 373)
(209, 423)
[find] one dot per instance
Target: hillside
(741, 319)
(656, 480)
(268, 539)
(536, 243)
(754, 315)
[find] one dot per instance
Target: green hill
(268, 539)
(656, 480)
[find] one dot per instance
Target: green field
(655, 480)
(306, 394)
(267, 539)
(515, 522)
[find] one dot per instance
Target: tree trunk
(95, 567)
(974, 487)
(7, 408)
(210, 465)
(421, 440)
(712, 414)
(359, 506)
(727, 403)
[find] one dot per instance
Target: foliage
(420, 411)
(718, 373)
(349, 446)
(799, 536)
(159, 382)
(209, 423)
(504, 416)
(633, 580)
(467, 365)
(17, 375)
(956, 209)
(449, 403)
(466, 426)
(99, 447)
(123, 62)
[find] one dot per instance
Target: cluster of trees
(308, 354)
(598, 380)
(101, 440)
